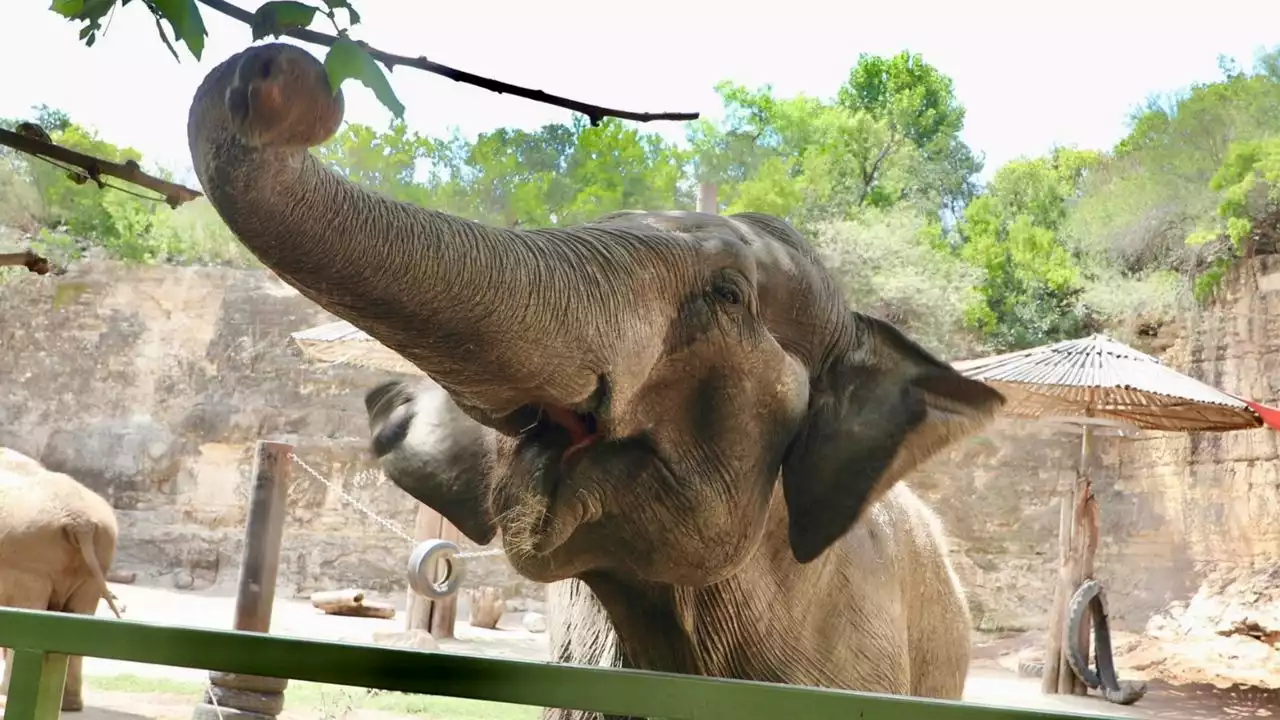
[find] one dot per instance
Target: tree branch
(94, 168)
(595, 113)
(31, 261)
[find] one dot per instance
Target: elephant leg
(83, 601)
(26, 592)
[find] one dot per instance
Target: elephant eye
(728, 293)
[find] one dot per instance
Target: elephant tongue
(581, 430)
(569, 420)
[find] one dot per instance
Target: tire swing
(422, 565)
(1089, 597)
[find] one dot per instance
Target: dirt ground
(117, 690)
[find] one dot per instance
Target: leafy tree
(893, 265)
(1033, 286)
(558, 174)
(918, 104)
(891, 135)
(1155, 190)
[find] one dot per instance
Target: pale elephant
(57, 542)
(680, 411)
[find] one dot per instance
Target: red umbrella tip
(1270, 416)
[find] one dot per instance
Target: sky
(1030, 74)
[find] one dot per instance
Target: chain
(379, 519)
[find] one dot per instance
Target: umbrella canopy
(1097, 377)
(342, 342)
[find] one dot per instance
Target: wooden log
(350, 602)
(337, 598)
(365, 610)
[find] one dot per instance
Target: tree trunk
(708, 201)
(1077, 547)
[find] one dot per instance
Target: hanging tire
(1091, 599)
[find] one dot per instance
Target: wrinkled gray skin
(734, 511)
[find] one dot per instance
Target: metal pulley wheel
(422, 569)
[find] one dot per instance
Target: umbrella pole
(1077, 547)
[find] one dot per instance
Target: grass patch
(334, 700)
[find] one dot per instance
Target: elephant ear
(881, 408)
(432, 450)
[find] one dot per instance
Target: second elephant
(57, 541)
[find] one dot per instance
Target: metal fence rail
(41, 641)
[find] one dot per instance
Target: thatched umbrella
(1091, 382)
(342, 342)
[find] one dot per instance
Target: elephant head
(646, 378)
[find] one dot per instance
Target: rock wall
(153, 384)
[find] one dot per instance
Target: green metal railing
(42, 640)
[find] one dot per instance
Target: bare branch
(595, 113)
(95, 168)
(31, 261)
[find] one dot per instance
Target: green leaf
(68, 8)
(348, 59)
(274, 18)
(89, 10)
(188, 26)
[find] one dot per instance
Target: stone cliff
(153, 384)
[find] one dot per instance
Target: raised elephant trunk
(492, 315)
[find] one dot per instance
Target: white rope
(381, 520)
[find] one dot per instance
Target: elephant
(57, 541)
(760, 531)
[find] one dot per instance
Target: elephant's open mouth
(563, 428)
(571, 430)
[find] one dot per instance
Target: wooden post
(708, 201)
(444, 613)
(1057, 614)
(1077, 547)
(436, 617)
(246, 697)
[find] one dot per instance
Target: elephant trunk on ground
(495, 316)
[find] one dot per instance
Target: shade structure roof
(342, 342)
(1097, 377)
